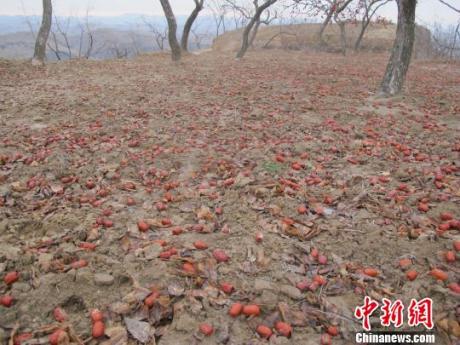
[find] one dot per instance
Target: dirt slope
(379, 37)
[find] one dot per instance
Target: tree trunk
(245, 43)
(189, 23)
(333, 11)
(254, 31)
(398, 64)
(368, 14)
(343, 37)
(454, 43)
(361, 35)
(172, 28)
(248, 28)
(42, 37)
(325, 24)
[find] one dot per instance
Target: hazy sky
(428, 11)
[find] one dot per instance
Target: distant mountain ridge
(12, 24)
(114, 36)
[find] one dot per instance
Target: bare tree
(456, 37)
(219, 12)
(90, 45)
(54, 45)
(369, 7)
(196, 38)
(189, 23)
(270, 16)
(330, 13)
(160, 38)
(42, 37)
(398, 64)
(346, 13)
(445, 41)
(172, 28)
(331, 9)
(64, 45)
(160, 34)
(59, 30)
(283, 27)
(249, 27)
(199, 37)
(119, 52)
(343, 35)
(134, 42)
(337, 8)
(241, 14)
(86, 32)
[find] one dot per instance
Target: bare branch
(449, 5)
(253, 25)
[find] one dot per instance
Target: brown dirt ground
(204, 134)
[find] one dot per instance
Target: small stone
(44, 261)
(92, 234)
(26, 275)
(242, 180)
(136, 296)
(443, 324)
(3, 224)
(117, 335)
(281, 341)
(267, 298)
(129, 258)
(222, 270)
(278, 275)
(10, 252)
(414, 234)
(3, 336)
(72, 273)
(83, 275)
(51, 278)
(120, 308)
(81, 234)
(454, 328)
(140, 330)
(20, 287)
(291, 291)
(238, 326)
(223, 333)
(27, 259)
(260, 285)
(175, 288)
(103, 279)
(68, 247)
(261, 192)
(10, 316)
(200, 255)
(152, 252)
(185, 323)
(301, 147)
(111, 175)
